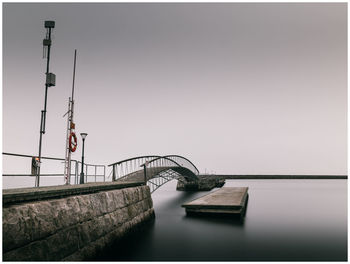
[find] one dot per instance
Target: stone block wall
(73, 228)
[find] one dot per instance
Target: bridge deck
(227, 200)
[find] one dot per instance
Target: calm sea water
(285, 220)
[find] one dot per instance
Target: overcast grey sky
(236, 88)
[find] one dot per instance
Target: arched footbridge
(155, 170)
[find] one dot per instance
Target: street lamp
(83, 136)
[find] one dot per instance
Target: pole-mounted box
(49, 24)
(50, 79)
(46, 42)
(35, 165)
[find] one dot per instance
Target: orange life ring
(73, 143)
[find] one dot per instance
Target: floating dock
(227, 200)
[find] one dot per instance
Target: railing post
(104, 173)
(113, 177)
(75, 173)
(144, 173)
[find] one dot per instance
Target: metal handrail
(177, 156)
(126, 167)
(75, 174)
(135, 158)
(30, 156)
(168, 157)
(155, 156)
(50, 158)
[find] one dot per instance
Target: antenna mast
(71, 142)
(50, 81)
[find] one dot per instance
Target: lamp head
(49, 24)
(83, 135)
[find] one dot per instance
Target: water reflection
(285, 220)
(216, 219)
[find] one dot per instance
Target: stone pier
(71, 223)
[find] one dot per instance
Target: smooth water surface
(285, 220)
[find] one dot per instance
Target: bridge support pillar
(205, 183)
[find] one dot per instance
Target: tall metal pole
(75, 60)
(70, 128)
(50, 81)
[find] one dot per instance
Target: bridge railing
(183, 162)
(126, 167)
(15, 164)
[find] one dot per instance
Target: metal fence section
(175, 162)
(51, 170)
(183, 162)
(92, 173)
(158, 169)
(125, 167)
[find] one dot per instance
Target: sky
(254, 88)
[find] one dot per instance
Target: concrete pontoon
(227, 200)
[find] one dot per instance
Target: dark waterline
(285, 220)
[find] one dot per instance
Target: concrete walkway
(228, 200)
(20, 195)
